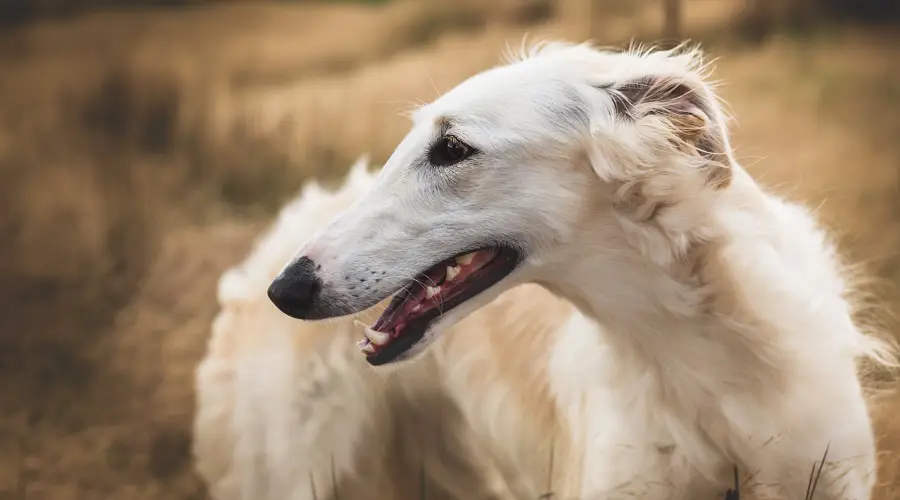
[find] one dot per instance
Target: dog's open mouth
(431, 294)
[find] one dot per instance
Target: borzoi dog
(712, 328)
(288, 410)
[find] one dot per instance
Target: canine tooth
(452, 272)
(466, 259)
(431, 291)
(365, 345)
(377, 338)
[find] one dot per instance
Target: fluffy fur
(288, 409)
(712, 327)
(266, 388)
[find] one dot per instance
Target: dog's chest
(632, 442)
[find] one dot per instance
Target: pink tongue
(396, 320)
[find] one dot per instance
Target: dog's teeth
(452, 272)
(466, 259)
(377, 338)
(431, 291)
(365, 346)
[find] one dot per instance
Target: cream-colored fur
(279, 401)
(283, 404)
(713, 328)
(288, 409)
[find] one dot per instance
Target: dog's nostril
(294, 291)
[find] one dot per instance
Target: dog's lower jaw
(417, 314)
(440, 326)
(409, 355)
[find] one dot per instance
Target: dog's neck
(667, 316)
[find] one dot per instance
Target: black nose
(294, 291)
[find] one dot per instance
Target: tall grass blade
(812, 489)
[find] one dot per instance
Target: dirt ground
(142, 152)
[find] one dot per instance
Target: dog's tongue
(438, 283)
(428, 292)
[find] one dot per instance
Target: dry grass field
(141, 152)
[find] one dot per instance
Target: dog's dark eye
(448, 151)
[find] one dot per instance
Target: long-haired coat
(711, 327)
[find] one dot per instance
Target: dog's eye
(448, 151)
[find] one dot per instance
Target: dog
(287, 409)
(712, 328)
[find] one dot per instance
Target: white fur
(265, 390)
(289, 410)
(713, 328)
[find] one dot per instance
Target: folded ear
(689, 115)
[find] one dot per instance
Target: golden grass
(134, 168)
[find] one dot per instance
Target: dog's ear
(680, 113)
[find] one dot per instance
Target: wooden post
(758, 18)
(672, 24)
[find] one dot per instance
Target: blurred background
(144, 143)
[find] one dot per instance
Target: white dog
(712, 328)
(289, 410)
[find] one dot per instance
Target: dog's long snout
(295, 290)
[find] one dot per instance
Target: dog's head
(499, 178)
